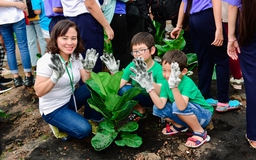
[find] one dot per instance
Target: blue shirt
(49, 5)
(198, 5)
(44, 20)
(120, 7)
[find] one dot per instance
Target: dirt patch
(24, 135)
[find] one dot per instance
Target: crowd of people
(69, 36)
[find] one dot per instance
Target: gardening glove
(140, 65)
(58, 68)
(174, 79)
(90, 59)
(145, 79)
(111, 63)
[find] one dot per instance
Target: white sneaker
(236, 83)
(5, 72)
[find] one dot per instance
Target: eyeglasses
(139, 52)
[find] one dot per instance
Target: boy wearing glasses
(142, 45)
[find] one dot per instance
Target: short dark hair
(143, 38)
(175, 56)
(60, 29)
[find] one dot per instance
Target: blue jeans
(142, 99)
(171, 111)
(67, 120)
(19, 28)
(34, 33)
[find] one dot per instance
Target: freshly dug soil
(25, 135)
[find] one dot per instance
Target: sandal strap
(202, 135)
(178, 129)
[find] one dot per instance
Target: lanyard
(71, 80)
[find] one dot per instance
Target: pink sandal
(231, 105)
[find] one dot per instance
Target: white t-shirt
(73, 8)
(62, 91)
(10, 15)
(224, 12)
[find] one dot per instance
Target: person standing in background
(38, 7)
(242, 18)
(90, 21)
(12, 20)
(34, 36)
(53, 10)
(236, 80)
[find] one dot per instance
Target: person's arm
(18, 4)
(57, 9)
(122, 83)
(217, 10)
(85, 75)
(176, 31)
(159, 102)
(36, 6)
(181, 101)
(233, 46)
(96, 12)
(43, 85)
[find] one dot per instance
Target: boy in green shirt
(180, 101)
(143, 48)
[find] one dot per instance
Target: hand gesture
(90, 59)
(218, 41)
(140, 65)
(174, 79)
(233, 49)
(145, 79)
(58, 68)
(175, 33)
(111, 63)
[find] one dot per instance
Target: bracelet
(233, 40)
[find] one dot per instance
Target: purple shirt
(49, 5)
(198, 5)
(234, 3)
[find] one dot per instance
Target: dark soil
(24, 135)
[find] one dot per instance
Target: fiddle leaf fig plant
(105, 99)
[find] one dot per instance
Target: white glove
(174, 79)
(90, 59)
(140, 65)
(58, 68)
(142, 77)
(110, 62)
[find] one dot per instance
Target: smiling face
(68, 42)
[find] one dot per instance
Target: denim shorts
(171, 111)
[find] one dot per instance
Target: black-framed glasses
(139, 52)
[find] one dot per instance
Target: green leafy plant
(192, 61)
(105, 99)
(2, 114)
(107, 44)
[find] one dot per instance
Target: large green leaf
(129, 127)
(124, 111)
(131, 140)
(192, 61)
(105, 135)
(112, 82)
(103, 139)
(99, 108)
(98, 88)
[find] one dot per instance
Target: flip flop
(250, 142)
(232, 105)
(170, 132)
(212, 102)
(206, 138)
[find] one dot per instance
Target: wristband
(233, 40)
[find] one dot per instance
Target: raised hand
(174, 79)
(58, 68)
(140, 65)
(145, 79)
(110, 62)
(90, 59)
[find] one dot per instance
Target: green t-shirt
(156, 70)
(188, 88)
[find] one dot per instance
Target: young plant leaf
(129, 127)
(131, 140)
(103, 139)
